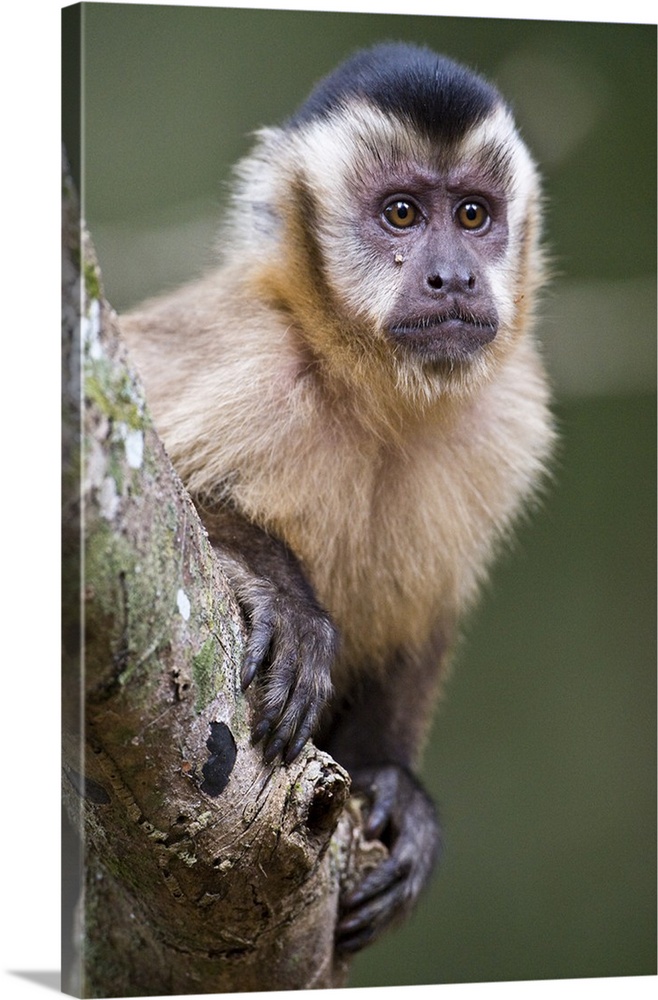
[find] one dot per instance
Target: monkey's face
(442, 234)
(417, 250)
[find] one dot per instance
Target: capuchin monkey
(355, 401)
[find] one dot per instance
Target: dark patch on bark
(220, 763)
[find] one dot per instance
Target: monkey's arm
(376, 737)
(292, 641)
(374, 733)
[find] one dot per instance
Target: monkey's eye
(472, 215)
(401, 214)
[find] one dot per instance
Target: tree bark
(204, 869)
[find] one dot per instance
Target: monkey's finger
(274, 723)
(263, 726)
(377, 819)
(300, 687)
(276, 745)
(297, 745)
(355, 930)
(258, 645)
(352, 941)
(384, 793)
(302, 729)
(359, 929)
(390, 873)
(291, 733)
(272, 750)
(261, 729)
(274, 741)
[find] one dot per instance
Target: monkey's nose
(452, 281)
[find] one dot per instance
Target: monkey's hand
(402, 816)
(291, 647)
(292, 642)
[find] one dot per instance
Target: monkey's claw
(290, 650)
(402, 816)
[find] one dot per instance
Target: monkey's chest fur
(395, 530)
(396, 536)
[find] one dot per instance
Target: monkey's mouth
(449, 335)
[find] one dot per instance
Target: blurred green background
(543, 754)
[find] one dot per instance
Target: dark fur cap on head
(440, 97)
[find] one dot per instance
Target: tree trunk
(204, 869)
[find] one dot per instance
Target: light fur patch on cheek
(368, 285)
(337, 158)
(498, 279)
